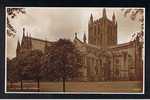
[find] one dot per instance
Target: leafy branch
(135, 14)
(11, 14)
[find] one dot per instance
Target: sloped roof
(36, 39)
(122, 45)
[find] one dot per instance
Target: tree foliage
(30, 65)
(136, 14)
(11, 14)
(25, 67)
(12, 71)
(62, 60)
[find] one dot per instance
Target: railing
(25, 85)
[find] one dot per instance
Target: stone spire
(18, 48)
(18, 45)
(27, 40)
(23, 39)
(91, 18)
(30, 41)
(104, 13)
(84, 38)
(75, 35)
(23, 32)
(113, 18)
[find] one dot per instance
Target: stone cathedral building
(102, 58)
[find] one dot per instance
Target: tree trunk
(64, 76)
(21, 85)
(64, 84)
(38, 85)
(11, 84)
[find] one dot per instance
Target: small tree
(31, 66)
(62, 61)
(25, 67)
(11, 71)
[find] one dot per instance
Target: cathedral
(103, 59)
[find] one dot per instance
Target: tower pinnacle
(104, 13)
(30, 41)
(23, 32)
(113, 18)
(18, 45)
(75, 35)
(91, 18)
(84, 38)
(18, 48)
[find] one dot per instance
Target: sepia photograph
(79, 50)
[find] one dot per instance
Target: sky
(52, 23)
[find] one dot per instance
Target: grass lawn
(111, 87)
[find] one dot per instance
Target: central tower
(102, 32)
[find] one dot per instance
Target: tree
(25, 67)
(11, 14)
(62, 63)
(31, 65)
(12, 71)
(135, 14)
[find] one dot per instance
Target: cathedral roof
(122, 45)
(118, 46)
(36, 39)
(92, 46)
